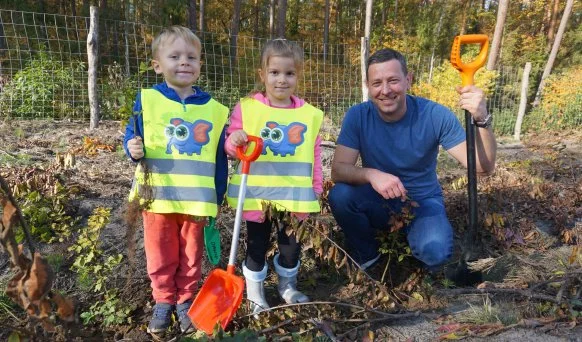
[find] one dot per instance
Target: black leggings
(258, 242)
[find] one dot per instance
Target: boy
(179, 134)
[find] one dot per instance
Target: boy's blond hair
(173, 32)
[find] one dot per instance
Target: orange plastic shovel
(221, 293)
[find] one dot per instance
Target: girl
(288, 174)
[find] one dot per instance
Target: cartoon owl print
(282, 139)
(187, 137)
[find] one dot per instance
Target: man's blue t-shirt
(407, 148)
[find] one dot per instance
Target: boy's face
(179, 62)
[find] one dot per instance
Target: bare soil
(531, 220)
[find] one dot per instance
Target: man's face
(387, 86)
(179, 62)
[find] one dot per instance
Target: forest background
(38, 37)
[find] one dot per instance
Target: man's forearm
(351, 174)
(486, 148)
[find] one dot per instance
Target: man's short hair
(173, 32)
(386, 55)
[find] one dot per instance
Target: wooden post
(92, 61)
(522, 100)
(364, 53)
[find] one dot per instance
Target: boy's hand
(238, 138)
(135, 148)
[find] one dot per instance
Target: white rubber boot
(255, 288)
(288, 283)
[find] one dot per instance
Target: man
(398, 137)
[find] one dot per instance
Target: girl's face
(280, 79)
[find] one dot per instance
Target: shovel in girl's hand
(221, 293)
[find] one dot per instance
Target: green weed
(94, 268)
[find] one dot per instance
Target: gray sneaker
(186, 325)
(161, 318)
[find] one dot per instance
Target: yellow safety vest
(283, 174)
(180, 152)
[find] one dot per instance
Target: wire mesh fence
(43, 72)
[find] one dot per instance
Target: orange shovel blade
(217, 301)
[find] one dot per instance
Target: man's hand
(135, 148)
(238, 138)
(473, 99)
(387, 185)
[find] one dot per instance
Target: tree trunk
(281, 18)
(553, 22)
(73, 8)
(522, 101)
(256, 27)
(272, 18)
(466, 10)
(326, 30)
(3, 44)
(368, 24)
(434, 44)
(364, 53)
(496, 44)
(201, 21)
(554, 52)
(384, 11)
(395, 10)
(192, 15)
(126, 39)
(92, 63)
(234, 31)
(85, 8)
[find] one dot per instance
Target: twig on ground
(9, 153)
(276, 326)
(324, 327)
(385, 315)
(522, 293)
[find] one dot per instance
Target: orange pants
(173, 245)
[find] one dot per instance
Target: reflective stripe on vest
(279, 168)
(283, 174)
(181, 167)
(275, 194)
(181, 142)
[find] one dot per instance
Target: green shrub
(46, 211)
(444, 80)
(46, 87)
(561, 103)
(118, 94)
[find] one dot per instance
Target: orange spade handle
(468, 70)
(247, 157)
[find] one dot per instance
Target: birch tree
(554, 52)
(496, 43)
